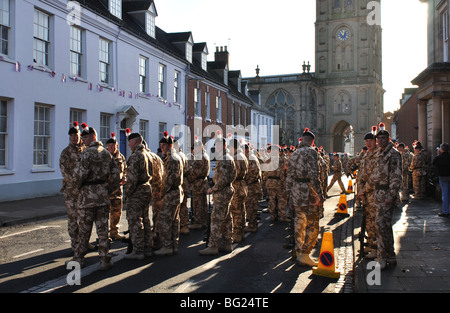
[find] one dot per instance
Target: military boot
(164, 251)
(226, 247)
(105, 263)
(303, 259)
(209, 251)
(134, 256)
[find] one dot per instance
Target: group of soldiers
(154, 188)
(386, 173)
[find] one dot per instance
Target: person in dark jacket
(442, 162)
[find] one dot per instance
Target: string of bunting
(121, 93)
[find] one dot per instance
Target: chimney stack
(222, 55)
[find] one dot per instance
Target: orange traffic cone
(342, 206)
(350, 186)
(326, 266)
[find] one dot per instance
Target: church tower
(349, 71)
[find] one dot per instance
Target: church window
(336, 4)
(281, 105)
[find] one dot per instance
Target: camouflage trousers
(221, 227)
(86, 218)
(139, 223)
(72, 219)
(115, 214)
(306, 228)
(184, 213)
(169, 219)
(237, 208)
(336, 178)
(383, 226)
(276, 195)
(251, 204)
(419, 184)
(370, 212)
(156, 208)
(404, 187)
(199, 206)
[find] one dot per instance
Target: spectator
(442, 162)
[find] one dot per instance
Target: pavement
(422, 246)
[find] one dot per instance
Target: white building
(102, 62)
(262, 122)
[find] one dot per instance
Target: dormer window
(115, 8)
(189, 52)
(150, 24)
(204, 62)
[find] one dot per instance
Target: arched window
(281, 104)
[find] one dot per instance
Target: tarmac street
(34, 245)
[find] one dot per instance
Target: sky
(278, 36)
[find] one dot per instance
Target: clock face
(343, 34)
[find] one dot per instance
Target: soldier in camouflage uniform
(303, 187)
(387, 178)
(404, 189)
(184, 214)
(138, 194)
(67, 163)
(96, 177)
(172, 197)
(237, 207)
(352, 165)
(156, 184)
(116, 197)
(366, 190)
(198, 180)
(223, 191)
(275, 181)
(253, 180)
(419, 167)
(337, 169)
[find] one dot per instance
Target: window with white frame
(105, 127)
(219, 108)
(104, 59)
(176, 87)
(42, 135)
(197, 102)
(115, 8)
(150, 24)
(76, 51)
(143, 61)
(4, 26)
(41, 34)
(75, 115)
(207, 106)
(189, 52)
(3, 133)
(162, 129)
(232, 114)
(162, 81)
(143, 129)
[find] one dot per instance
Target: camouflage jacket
(365, 172)
(96, 176)
(198, 170)
(139, 172)
(302, 182)
(241, 162)
(337, 168)
(420, 163)
(225, 173)
(158, 171)
(122, 166)
(275, 177)
(387, 174)
(67, 162)
(173, 172)
(254, 170)
(406, 161)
